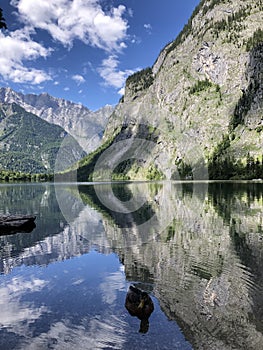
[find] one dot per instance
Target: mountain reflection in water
(195, 248)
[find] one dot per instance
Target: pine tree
(2, 20)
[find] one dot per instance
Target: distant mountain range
(33, 128)
(84, 125)
(29, 144)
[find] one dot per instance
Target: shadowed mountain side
(30, 144)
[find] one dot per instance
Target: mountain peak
(29, 144)
(84, 125)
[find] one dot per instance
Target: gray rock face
(255, 77)
(85, 126)
(211, 64)
(201, 80)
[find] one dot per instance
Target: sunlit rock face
(204, 86)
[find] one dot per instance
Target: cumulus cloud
(112, 75)
(67, 20)
(17, 47)
(78, 79)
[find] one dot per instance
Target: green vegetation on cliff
(128, 169)
(223, 166)
(243, 105)
(29, 144)
(84, 169)
(255, 40)
(203, 6)
(140, 81)
(201, 85)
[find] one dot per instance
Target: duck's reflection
(139, 304)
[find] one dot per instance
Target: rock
(17, 223)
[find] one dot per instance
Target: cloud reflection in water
(96, 333)
(16, 315)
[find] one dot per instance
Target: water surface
(196, 248)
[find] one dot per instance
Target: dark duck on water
(139, 304)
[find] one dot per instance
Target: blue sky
(83, 50)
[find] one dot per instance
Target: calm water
(195, 248)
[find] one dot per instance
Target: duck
(139, 304)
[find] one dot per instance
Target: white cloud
(121, 91)
(16, 48)
(78, 79)
(123, 45)
(67, 20)
(110, 73)
(130, 12)
(148, 28)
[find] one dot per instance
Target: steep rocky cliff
(201, 103)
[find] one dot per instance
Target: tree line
(17, 176)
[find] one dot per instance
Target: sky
(84, 50)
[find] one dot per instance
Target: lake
(196, 248)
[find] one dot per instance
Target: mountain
(85, 126)
(29, 144)
(198, 111)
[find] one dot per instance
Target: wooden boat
(16, 223)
